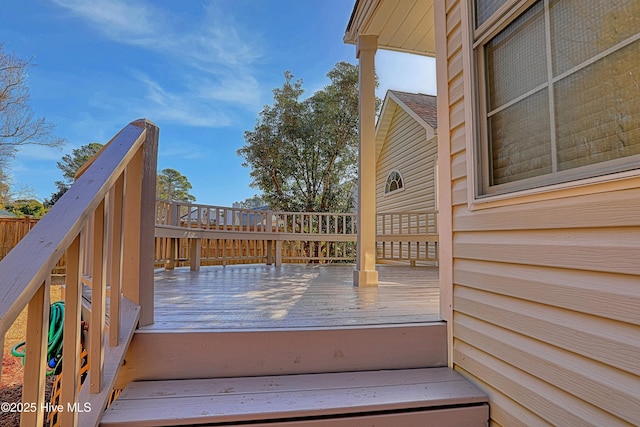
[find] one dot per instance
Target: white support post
(365, 273)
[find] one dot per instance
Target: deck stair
(391, 375)
(392, 398)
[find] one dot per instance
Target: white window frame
(397, 190)
(482, 195)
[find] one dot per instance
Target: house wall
(544, 292)
(411, 150)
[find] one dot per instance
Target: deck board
(291, 296)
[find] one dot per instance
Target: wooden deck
(295, 345)
(249, 297)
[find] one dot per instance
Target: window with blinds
(559, 92)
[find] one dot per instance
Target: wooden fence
(12, 230)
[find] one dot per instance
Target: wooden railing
(103, 226)
(223, 235)
(407, 236)
(202, 234)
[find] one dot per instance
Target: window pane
(598, 110)
(516, 58)
(394, 182)
(486, 8)
(582, 29)
(520, 146)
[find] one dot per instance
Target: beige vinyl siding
(407, 151)
(546, 294)
(410, 149)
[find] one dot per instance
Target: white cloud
(96, 128)
(191, 107)
(39, 152)
(214, 59)
(242, 90)
(119, 20)
(215, 40)
(184, 150)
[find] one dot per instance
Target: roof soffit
(401, 25)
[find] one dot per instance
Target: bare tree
(18, 125)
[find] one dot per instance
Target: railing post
(195, 246)
(224, 252)
(174, 217)
(278, 253)
(170, 263)
(139, 225)
(269, 229)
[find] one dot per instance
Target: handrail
(101, 215)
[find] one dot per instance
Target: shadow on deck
(246, 297)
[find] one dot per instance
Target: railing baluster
(71, 340)
(35, 352)
(132, 229)
(98, 299)
(115, 260)
(1, 354)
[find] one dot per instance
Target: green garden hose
(54, 346)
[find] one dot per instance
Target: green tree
(18, 125)
(303, 153)
(26, 207)
(172, 185)
(69, 165)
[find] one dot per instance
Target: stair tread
(177, 402)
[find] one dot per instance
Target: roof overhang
(401, 25)
(389, 107)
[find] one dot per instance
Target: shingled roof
(422, 108)
(425, 106)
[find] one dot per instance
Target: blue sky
(201, 70)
